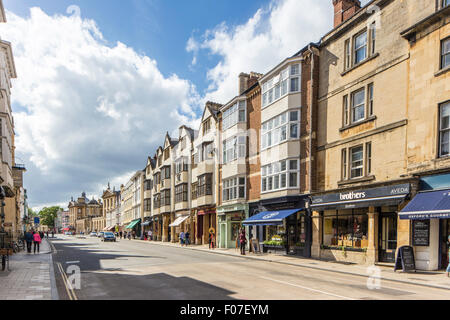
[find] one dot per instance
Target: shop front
(282, 224)
(179, 224)
(358, 226)
(156, 228)
(147, 225)
(429, 213)
(206, 222)
(230, 222)
(135, 226)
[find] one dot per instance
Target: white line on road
(72, 262)
(310, 289)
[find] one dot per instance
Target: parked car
(100, 234)
(108, 236)
(93, 234)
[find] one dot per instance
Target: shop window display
(346, 228)
(275, 235)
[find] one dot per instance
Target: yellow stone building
(363, 140)
(85, 215)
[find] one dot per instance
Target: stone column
(165, 230)
(372, 248)
(316, 231)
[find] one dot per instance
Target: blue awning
(270, 218)
(428, 205)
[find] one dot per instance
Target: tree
(48, 216)
(32, 213)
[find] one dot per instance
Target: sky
(100, 82)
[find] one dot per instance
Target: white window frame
(352, 162)
(363, 46)
(272, 174)
(233, 115)
(281, 83)
(353, 106)
(234, 148)
(231, 188)
(273, 128)
(443, 130)
(444, 53)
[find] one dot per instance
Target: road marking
(310, 289)
(70, 291)
(72, 262)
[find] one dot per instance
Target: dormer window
(288, 80)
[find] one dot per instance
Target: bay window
(280, 175)
(234, 114)
(181, 192)
(288, 80)
(234, 188)
(234, 148)
(279, 129)
(204, 185)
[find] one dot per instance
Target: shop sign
(405, 259)
(388, 191)
(421, 233)
(237, 216)
(236, 207)
(203, 212)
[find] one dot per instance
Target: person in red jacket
(37, 241)
(242, 241)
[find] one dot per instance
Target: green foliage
(48, 216)
(32, 213)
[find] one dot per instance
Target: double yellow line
(70, 291)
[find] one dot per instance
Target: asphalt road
(140, 270)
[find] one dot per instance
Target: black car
(108, 236)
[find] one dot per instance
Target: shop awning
(178, 221)
(133, 224)
(271, 218)
(428, 205)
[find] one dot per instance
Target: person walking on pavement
(150, 235)
(211, 240)
(182, 238)
(29, 240)
(53, 234)
(186, 237)
(129, 235)
(242, 241)
(37, 241)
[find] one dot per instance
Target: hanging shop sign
(421, 233)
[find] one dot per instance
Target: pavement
(30, 276)
(433, 279)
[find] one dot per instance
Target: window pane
(294, 85)
(445, 116)
(445, 143)
(292, 179)
(360, 47)
(276, 182)
(292, 164)
(294, 131)
(283, 180)
(283, 133)
(293, 116)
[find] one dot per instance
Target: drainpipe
(308, 243)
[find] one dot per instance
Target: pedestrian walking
(211, 240)
(120, 233)
(134, 234)
(242, 241)
(29, 240)
(41, 234)
(36, 241)
(186, 236)
(182, 238)
(129, 235)
(53, 234)
(150, 235)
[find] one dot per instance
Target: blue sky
(158, 28)
(97, 92)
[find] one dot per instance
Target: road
(140, 270)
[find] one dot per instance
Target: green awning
(133, 224)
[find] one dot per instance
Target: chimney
(344, 10)
(243, 82)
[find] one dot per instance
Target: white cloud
(272, 34)
(93, 111)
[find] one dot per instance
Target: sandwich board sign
(405, 259)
